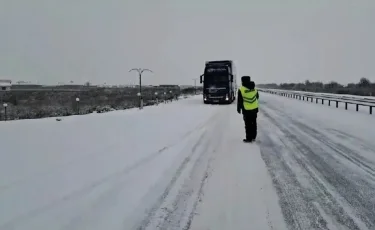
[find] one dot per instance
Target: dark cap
(245, 79)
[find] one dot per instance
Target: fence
(364, 102)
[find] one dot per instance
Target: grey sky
(273, 41)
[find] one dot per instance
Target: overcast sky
(52, 41)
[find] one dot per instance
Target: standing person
(248, 102)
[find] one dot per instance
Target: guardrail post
(356, 107)
(370, 109)
(346, 105)
(337, 104)
(316, 100)
(329, 102)
(322, 101)
(311, 99)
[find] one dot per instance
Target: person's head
(252, 85)
(245, 79)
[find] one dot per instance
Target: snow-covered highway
(322, 161)
(184, 166)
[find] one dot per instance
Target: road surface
(183, 166)
(322, 161)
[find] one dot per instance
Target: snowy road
(184, 166)
(322, 161)
(134, 170)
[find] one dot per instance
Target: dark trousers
(250, 119)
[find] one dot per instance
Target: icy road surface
(184, 166)
(135, 170)
(322, 160)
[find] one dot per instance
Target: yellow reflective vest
(249, 97)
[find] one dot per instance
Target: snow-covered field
(183, 166)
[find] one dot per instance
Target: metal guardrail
(365, 102)
(331, 95)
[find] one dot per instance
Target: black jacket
(240, 99)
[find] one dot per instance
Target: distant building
(5, 85)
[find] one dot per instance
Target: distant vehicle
(219, 82)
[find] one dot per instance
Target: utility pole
(195, 85)
(140, 71)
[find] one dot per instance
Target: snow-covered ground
(183, 165)
(239, 193)
(129, 169)
(322, 161)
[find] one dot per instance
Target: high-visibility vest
(249, 97)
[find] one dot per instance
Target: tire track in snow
(102, 200)
(110, 178)
(323, 181)
(82, 192)
(359, 143)
(175, 209)
(89, 155)
(144, 224)
(319, 137)
(335, 145)
(298, 211)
